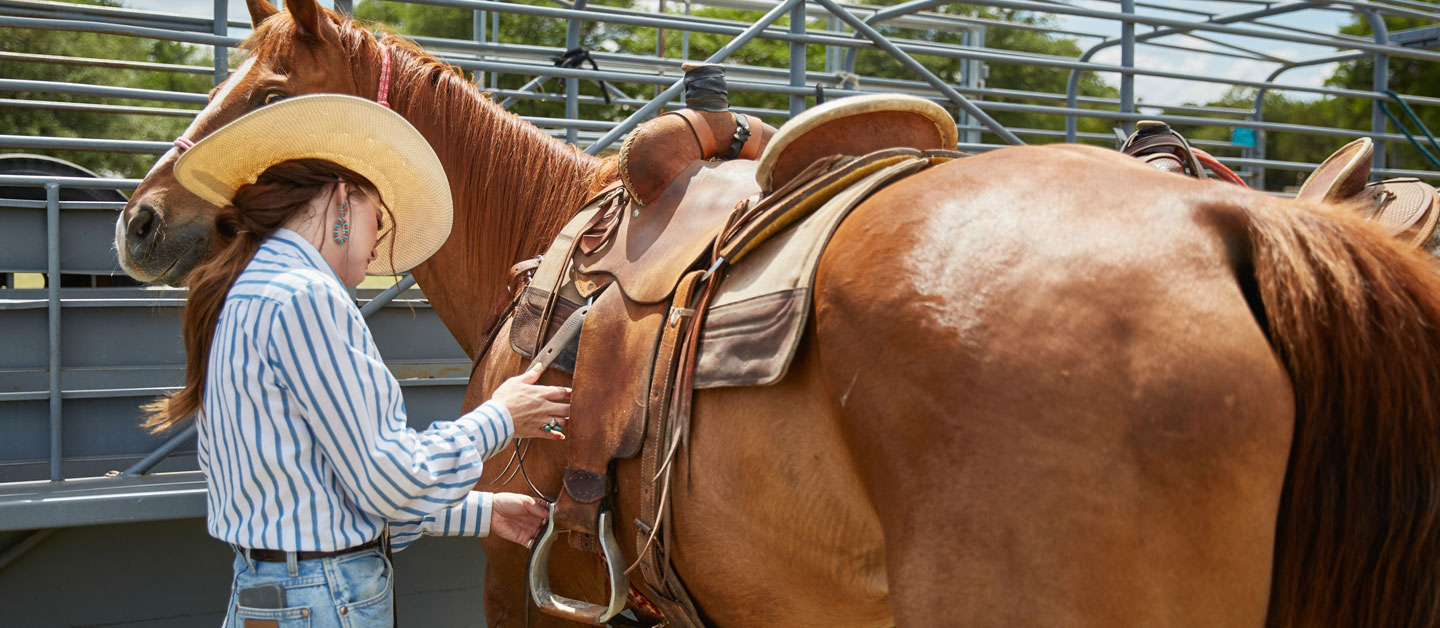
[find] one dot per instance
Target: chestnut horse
(1042, 386)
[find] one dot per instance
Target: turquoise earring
(341, 232)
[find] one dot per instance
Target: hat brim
(361, 135)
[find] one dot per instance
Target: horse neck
(513, 186)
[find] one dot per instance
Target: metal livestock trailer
(101, 524)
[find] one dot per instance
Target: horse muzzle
(153, 250)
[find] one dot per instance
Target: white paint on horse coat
(206, 113)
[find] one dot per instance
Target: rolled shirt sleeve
(323, 351)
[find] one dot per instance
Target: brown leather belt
(279, 556)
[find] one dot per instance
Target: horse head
(164, 231)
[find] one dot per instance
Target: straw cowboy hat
(358, 134)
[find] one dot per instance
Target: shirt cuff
(490, 426)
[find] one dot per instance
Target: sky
(1148, 89)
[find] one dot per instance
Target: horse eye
(273, 97)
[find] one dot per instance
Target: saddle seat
(665, 308)
(1404, 208)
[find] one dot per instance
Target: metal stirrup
(576, 610)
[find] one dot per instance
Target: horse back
(1056, 393)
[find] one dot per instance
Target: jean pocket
(293, 617)
(369, 585)
(367, 579)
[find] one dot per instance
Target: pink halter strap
(383, 97)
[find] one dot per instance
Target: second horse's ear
(260, 10)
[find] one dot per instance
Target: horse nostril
(143, 225)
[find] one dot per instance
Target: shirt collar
(290, 244)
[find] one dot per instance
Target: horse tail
(1356, 322)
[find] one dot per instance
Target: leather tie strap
(701, 129)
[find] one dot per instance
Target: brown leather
(1405, 208)
(663, 586)
(659, 150)
(756, 142)
(1342, 175)
(701, 130)
(280, 556)
(526, 328)
(610, 390)
(749, 343)
(653, 247)
(857, 135)
(1156, 144)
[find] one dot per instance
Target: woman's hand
(534, 408)
(517, 518)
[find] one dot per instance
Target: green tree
(45, 122)
(1407, 76)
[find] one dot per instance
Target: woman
(302, 429)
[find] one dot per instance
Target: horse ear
(307, 15)
(260, 10)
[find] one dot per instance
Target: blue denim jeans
(350, 591)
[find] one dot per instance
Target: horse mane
(523, 198)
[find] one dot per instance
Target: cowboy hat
(359, 134)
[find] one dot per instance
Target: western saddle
(1406, 208)
(639, 268)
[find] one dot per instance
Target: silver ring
(552, 426)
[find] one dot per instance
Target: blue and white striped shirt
(303, 436)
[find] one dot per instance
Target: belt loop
(245, 554)
(292, 563)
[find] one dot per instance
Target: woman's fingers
(531, 376)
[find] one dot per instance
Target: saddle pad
(751, 333)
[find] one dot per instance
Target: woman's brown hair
(256, 212)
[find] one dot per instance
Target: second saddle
(1407, 209)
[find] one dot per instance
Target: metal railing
(643, 84)
(975, 103)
